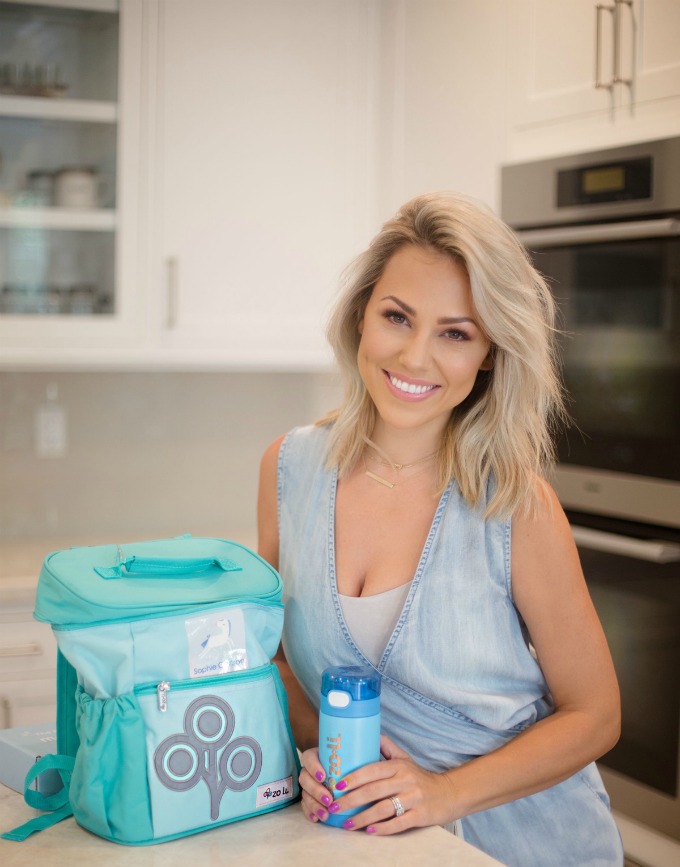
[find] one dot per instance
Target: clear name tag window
(217, 643)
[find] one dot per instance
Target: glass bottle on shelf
(58, 157)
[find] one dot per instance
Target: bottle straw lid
(361, 681)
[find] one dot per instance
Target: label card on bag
(217, 643)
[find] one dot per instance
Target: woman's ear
(487, 364)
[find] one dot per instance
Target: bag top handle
(164, 567)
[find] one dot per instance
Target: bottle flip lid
(341, 685)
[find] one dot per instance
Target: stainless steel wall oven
(604, 228)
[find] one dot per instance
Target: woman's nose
(416, 352)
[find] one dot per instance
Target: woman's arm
(303, 718)
(551, 595)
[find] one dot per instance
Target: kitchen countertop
(284, 838)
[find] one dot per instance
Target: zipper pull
(163, 689)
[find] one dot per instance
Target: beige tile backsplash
(147, 454)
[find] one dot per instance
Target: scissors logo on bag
(205, 751)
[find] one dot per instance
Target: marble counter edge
(283, 837)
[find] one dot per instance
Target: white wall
(148, 454)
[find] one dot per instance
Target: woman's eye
(456, 334)
(395, 316)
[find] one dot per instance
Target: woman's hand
(317, 801)
(426, 797)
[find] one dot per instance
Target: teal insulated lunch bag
(171, 716)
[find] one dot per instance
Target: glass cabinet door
(58, 157)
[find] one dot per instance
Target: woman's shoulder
(544, 527)
(270, 458)
(307, 442)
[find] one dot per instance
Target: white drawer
(26, 646)
(28, 702)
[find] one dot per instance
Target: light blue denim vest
(459, 678)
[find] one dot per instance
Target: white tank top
(371, 619)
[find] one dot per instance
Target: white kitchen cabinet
(442, 110)
(264, 174)
(69, 174)
(560, 51)
(656, 46)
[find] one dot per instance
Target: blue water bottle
(349, 725)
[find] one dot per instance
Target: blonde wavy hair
(504, 429)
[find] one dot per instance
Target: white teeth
(410, 388)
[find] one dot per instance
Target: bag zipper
(165, 686)
(192, 609)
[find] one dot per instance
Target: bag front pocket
(218, 749)
(109, 792)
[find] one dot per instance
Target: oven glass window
(639, 606)
(620, 311)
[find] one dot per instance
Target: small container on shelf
(104, 304)
(14, 300)
(31, 79)
(19, 299)
(76, 187)
(54, 302)
(83, 299)
(9, 78)
(40, 184)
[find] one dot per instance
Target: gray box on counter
(20, 749)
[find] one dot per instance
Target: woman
(415, 531)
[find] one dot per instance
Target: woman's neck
(404, 446)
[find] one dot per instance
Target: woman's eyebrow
(402, 304)
(445, 320)
(454, 320)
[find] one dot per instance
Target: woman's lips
(409, 389)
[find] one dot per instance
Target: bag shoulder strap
(57, 804)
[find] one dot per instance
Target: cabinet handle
(652, 550)
(11, 650)
(617, 41)
(599, 9)
(172, 289)
(6, 711)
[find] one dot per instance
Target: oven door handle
(599, 234)
(653, 550)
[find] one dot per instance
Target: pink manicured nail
(341, 785)
(334, 808)
(321, 814)
(348, 824)
(370, 829)
(319, 776)
(313, 817)
(326, 799)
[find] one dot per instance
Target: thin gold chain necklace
(394, 466)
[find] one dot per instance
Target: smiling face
(421, 343)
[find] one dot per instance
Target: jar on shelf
(83, 299)
(40, 184)
(76, 187)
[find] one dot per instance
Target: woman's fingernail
(326, 799)
(370, 829)
(313, 817)
(334, 808)
(319, 776)
(341, 785)
(321, 814)
(348, 824)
